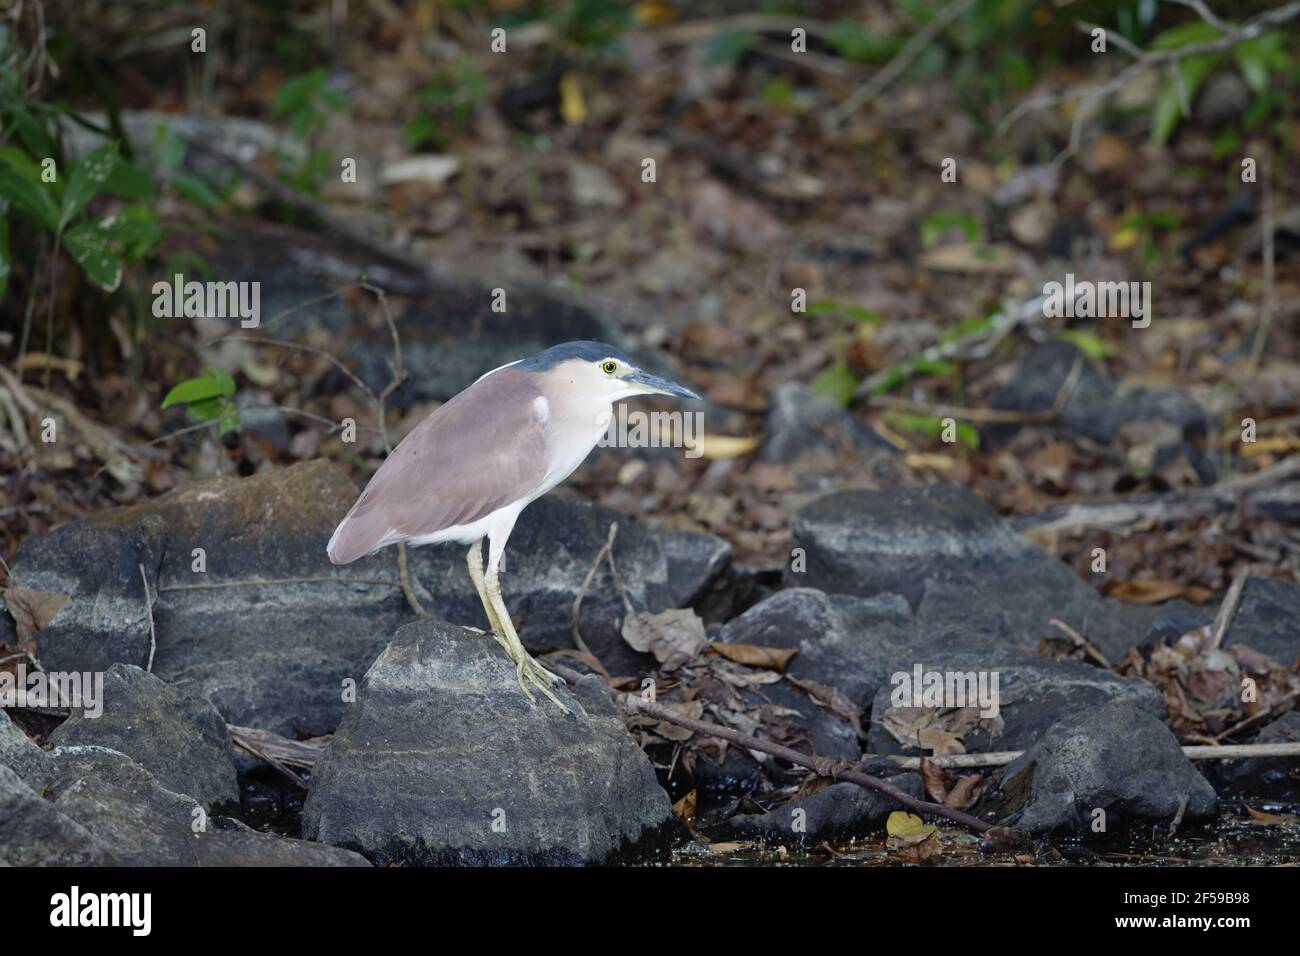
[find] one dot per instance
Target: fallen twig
(148, 608)
(244, 743)
(1081, 642)
(1000, 758)
(1227, 609)
(606, 548)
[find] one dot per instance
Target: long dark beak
(655, 385)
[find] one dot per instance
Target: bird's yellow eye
(609, 367)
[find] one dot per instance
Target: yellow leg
(526, 668)
(475, 561)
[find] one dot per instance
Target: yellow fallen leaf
(756, 655)
(572, 106)
(904, 824)
(1267, 446)
(725, 446)
(653, 13)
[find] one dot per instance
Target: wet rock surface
(1116, 758)
(443, 761)
(175, 734)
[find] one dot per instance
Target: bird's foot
(528, 671)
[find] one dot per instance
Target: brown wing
(480, 451)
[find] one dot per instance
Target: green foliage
(837, 383)
(306, 101)
(447, 105)
(932, 426)
(934, 226)
(208, 399)
(1087, 343)
(854, 312)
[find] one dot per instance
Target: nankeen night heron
(470, 468)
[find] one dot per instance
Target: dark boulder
(174, 734)
(442, 760)
(1116, 758)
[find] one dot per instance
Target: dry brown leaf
(963, 792)
(832, 699)
(756, 655)
(674, 636)
(685, 809)
(32, 610)
(936, 781)
(1156, 592)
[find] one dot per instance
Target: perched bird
(470, 468)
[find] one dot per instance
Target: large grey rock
(20, 753)
(146, 824)
(34, 833)
(1117, 758)
(237, 629)
(1099, 407)
(848, 642)
(442, 760)
(95, 806)
(1268, 619)
(958, 563)
(176, 735)
(835, 812)
(695, 562)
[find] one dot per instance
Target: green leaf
(89, 246)
(1089, 344)
(837, 383)
(1258, 57)
(214, 383)
(129, 181)
(87, 178)
(854, 43)
(727, 47)
(196, 189)
(1169, 104)
(134, 230)
(933, 427)
(297, 93)
(31, 132)
(933, 227)
(25, 190)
